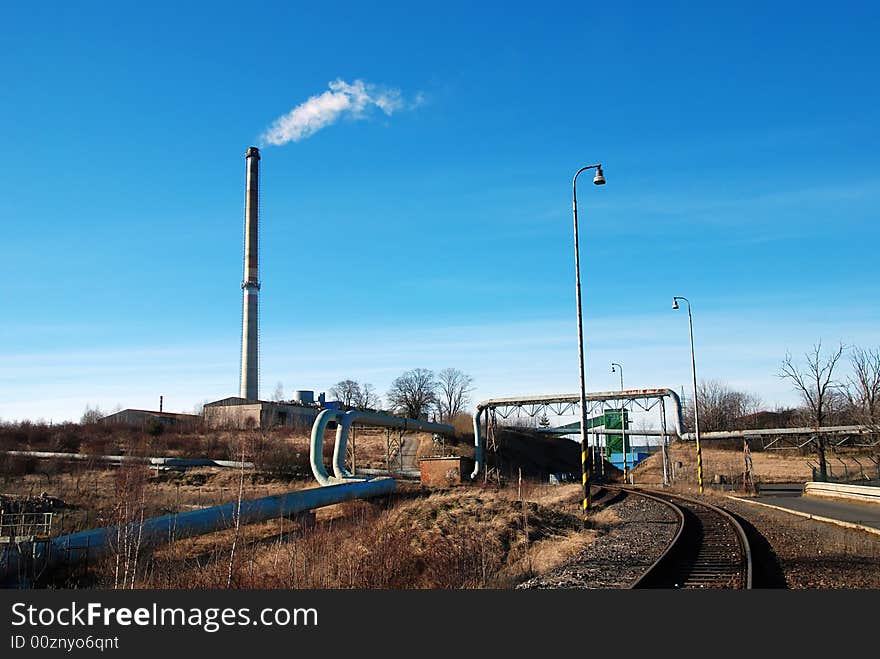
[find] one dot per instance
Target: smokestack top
(252, 152)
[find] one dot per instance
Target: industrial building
(132, 417)
(236, 412)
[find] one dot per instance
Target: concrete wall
(233, 416)
(261, 414)
(444, 472)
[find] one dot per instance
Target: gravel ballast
(633, 542)
(810, 554)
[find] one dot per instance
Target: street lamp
(675, 300)
(598, 179)
(622, 421)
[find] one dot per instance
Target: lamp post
(675, 300)
(598, 179)
(622, 422)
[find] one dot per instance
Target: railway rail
(709, 551)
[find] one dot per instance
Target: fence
(16, 526)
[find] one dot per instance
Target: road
(867, 514)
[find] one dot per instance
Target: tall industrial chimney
(250, 367)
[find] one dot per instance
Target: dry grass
(767, 466)
(605, 519)
(550, 554)
(464, 538)
(90, 494)
(552, 495)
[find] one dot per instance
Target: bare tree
(127, 515)
(230, 573)
(817, 388)
(367, 398)
(278, 392)
(346, 392)
(720, 407)
(91, 415)
(863, 390)
(453, 387)
(413, 393)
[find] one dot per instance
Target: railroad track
(710, 549)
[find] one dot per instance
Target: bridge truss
(488, 411)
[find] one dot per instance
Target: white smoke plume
(353, 100)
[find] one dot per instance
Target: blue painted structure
(633, 458)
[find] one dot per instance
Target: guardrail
(862, 493)
(24, 525)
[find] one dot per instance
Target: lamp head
(612, 369)
(599, 179)
(675, 303)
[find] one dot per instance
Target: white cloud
(341, 99)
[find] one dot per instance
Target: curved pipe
(478, 441)
(677, 419)
(628, 394)
(316, 445)
(95, 543)
(339, 468)
(383, 421)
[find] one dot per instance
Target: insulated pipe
(339, 446)
(383, 421)
(121, 459)
(629, 394)
(478, 441)
(599, 433)
(95, 543)
(763, 432)
(316, 445)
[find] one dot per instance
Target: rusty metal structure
(250, 285)
(561, 404)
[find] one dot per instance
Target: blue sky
(740, 146)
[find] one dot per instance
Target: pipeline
(316, 446)
(344, 421)
(630, 432)
(760, 432)
(628, 394)
(136, 459)
(93, 544)
(383, 421)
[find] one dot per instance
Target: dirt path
(409, 452)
